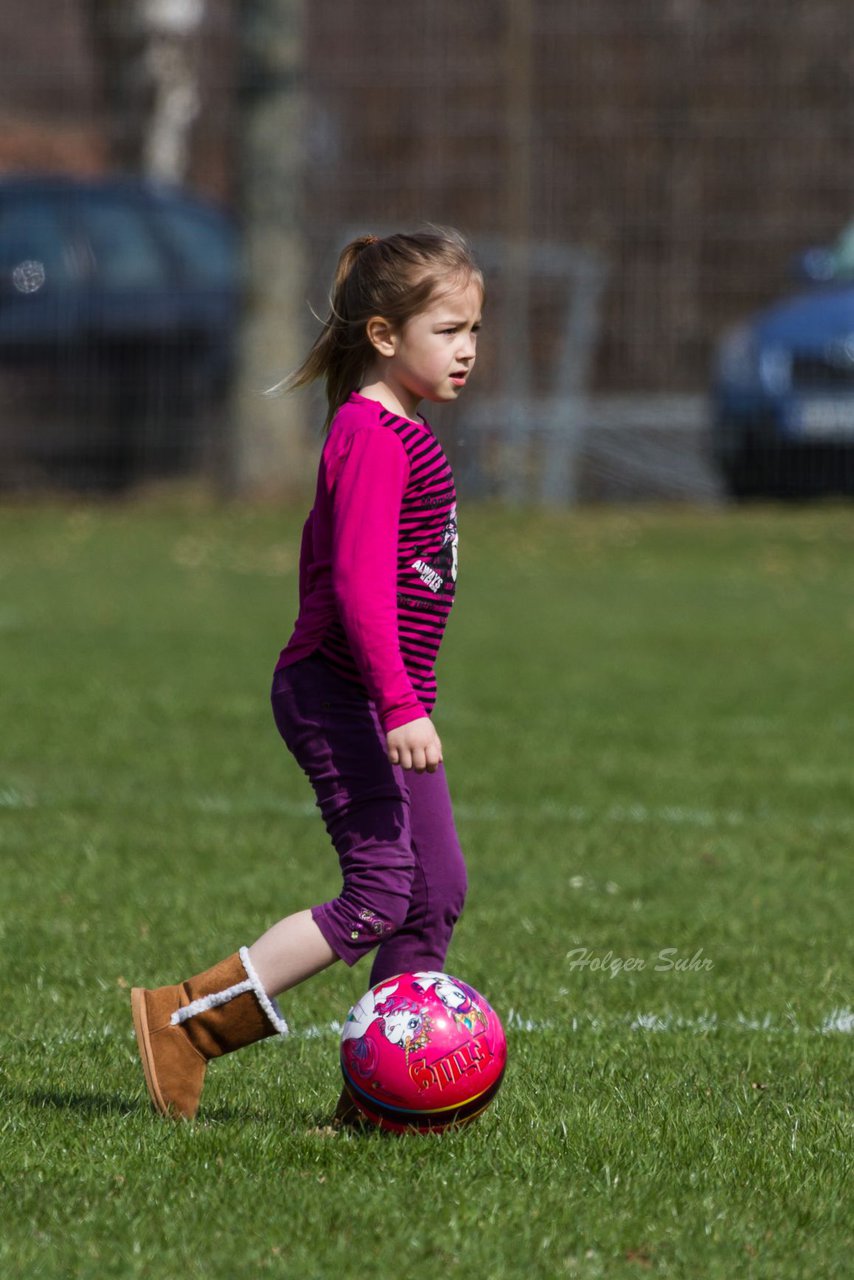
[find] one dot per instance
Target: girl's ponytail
(347, 259)
(333, 356)
(394, 278)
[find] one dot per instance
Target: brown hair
(394, 278)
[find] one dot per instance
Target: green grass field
(648, 728)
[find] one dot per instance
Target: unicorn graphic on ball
(401, 1021)
(460, 1000)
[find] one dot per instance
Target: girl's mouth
(459, 379)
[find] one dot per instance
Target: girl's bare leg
(289, 952)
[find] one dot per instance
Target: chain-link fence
(642, 178)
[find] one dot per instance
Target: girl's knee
(374, 912)
(354, 924)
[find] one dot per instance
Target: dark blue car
(783, 390)
(118, 317)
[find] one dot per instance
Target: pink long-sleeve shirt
(378, 560)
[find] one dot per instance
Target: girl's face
(435, 351)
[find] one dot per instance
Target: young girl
(354, 687)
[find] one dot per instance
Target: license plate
(825, 418)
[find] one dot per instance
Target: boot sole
(140, 1026)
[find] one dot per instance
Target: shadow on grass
(115, 1104)
(89, 1104)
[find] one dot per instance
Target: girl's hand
(415, 746)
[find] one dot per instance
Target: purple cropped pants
(401, 861)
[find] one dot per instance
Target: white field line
(12, 798)
(545, 811)
(552, 811)
(839, 1021)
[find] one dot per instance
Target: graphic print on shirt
(436, 572)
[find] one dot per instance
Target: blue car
(783, 388)
(119, 308)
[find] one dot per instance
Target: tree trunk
(147, 57)
(270, 452)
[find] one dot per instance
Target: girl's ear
(381, 336)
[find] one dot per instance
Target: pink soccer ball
(422, 1051)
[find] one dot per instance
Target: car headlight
(743, 362)
(738, 357)
(775, 368)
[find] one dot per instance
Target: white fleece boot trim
(269, 1006)
(216, 998)
(213, 1001)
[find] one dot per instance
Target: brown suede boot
(180, 1028)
